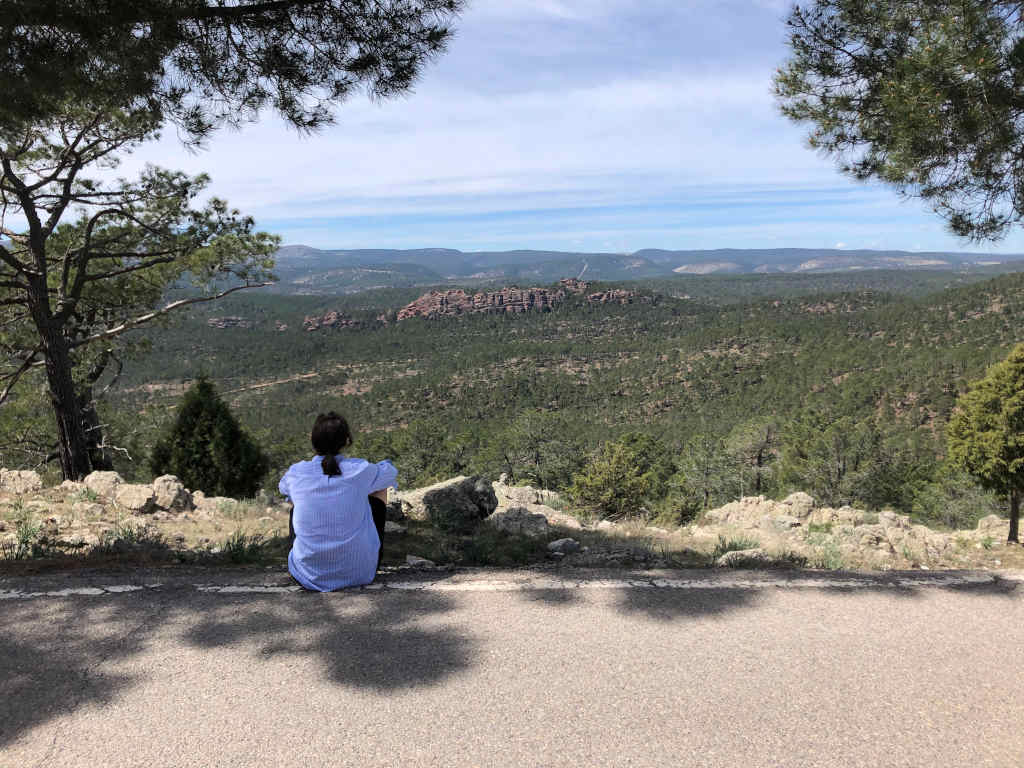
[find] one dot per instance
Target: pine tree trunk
(1014, 517)
(74, 455)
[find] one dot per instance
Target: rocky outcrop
(229, 322)
(332, 319)
(512, 300)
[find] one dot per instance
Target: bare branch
(127, 325)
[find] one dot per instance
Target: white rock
(103, 483)
(171, 494)
(743, 558)
(565, 546)
(136, 499)
(393, 527)
(419, 562)
(519, 521)
(20, 481)
(800, 504)
(86, 509)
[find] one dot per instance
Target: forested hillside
(750, 385)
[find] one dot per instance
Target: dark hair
(330, 435)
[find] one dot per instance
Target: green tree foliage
(986, 432)
(95, 258)
(923, 95)
(202, 63)
(954, 500)
(538, 448)
(615, 482)
(207, 449)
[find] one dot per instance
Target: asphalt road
(513, 669)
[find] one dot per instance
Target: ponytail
(330, 435)
(330, 465)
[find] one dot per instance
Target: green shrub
(207, 449)
(737, 544)
(241, 547)
(955, 501)
(615, 482)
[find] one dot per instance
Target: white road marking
(554, 583)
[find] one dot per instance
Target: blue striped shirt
(336, 543)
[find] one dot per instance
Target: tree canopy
(202, 63)
(83, 259)
(986, 432)
(923, 95)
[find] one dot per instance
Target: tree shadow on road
(381, 641)
(52, 655)
(60, 655)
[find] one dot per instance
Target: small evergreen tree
(986, 432)
(207, 449)
(615, 482)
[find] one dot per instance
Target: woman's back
(336, 543)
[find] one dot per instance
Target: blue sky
(591, 125)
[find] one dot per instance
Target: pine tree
(986, 432)
(207, 449)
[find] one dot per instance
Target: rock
(171, 494)
(87, 509)
(800, 504)
(519, 495)
(394, 511)
(850, 515)
(79, 540)
(455, 506)
(213, 505)
(70, 487)
(606, 525)
(564, 546)
(993, 526)
(20, 481)
(554, 517)
(136, 499)
(419, 562)
(887, 518)
(744, 558)
(519, 521)
(780, 523)
(393, 527)
(104, 483)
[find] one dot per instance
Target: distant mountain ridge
(310, 270)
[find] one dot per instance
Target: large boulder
(103, 483)
(455, 504)
(20, 481)
(135, 499)
(519, 521)
(171, 495)
(457, 508)
(800, 505)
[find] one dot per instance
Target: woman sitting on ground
(338, 511)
